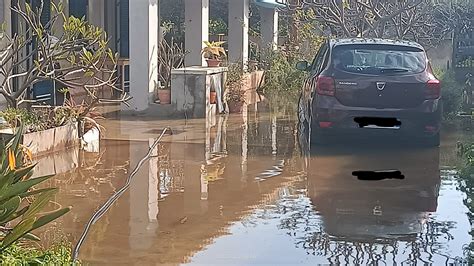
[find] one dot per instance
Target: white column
(269, 27)
(96, 12)
(153, 183)
(245, 148)
(197, 30)
(274, 136)
(238, 40)
(143, 52)
(142, 229)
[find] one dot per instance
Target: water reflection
(373, 221)
(248, 191)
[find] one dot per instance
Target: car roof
(346, 41)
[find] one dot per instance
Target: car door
(316, 67)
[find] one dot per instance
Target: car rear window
(379, 59)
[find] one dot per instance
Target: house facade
(133, 29)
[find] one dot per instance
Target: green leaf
(39, 204)
(18, 231)
(8, 208)
(7, 179)
(16, 214)
(36, 191)
(43, 220)
(20, 173)
(20, 187)
(30, 236)
(15, 142)
(28, 8)
(89, 73)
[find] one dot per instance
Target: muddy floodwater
(244, 190)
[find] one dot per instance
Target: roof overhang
(271, 3)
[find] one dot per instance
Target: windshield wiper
(393, 70)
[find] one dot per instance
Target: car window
(313, 64)
(318, 60)
(379, 59)
(326, 60)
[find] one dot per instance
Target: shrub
(283, 82)
(20, 204)
(217, 26)
(234, 84)
(451, 92)
(43, 118)
(38, 119)
(281, 74)
(59, 254)
(13, 115)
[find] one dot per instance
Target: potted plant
(171, 56)
(213, 97)
(214, 53)
(235, 99)
(234, 92)
(164, 94)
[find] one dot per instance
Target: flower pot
(235, 107)
(213, 97)
(164, 96)
(213, 62)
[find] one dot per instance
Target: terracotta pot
(213, 97)
(164, 96)
(213, 62)
(235, 107)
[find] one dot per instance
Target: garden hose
(106, 206)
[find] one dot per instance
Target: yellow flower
(27, 153)
(11, 160)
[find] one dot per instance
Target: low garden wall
(54, 139)
(251, 82)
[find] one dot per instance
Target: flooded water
(245, 190)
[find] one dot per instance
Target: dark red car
(371, 86)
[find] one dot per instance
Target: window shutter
(78, 8)
(124, 34)
(46, 14)
(43, 91)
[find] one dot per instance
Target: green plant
(217, 26)
(308, 33)
(281, 74)
(20, 203)
(171, 56)
(468, 62)
(41, 118)
(451, 92)
(78, 58)
(14, 115)
(234, 84)
(213, 50)
(236, 94)
(59, 254)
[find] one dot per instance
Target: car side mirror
(302, 65)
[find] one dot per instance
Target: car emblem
(381, 86)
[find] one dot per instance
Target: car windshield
(379, 59)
